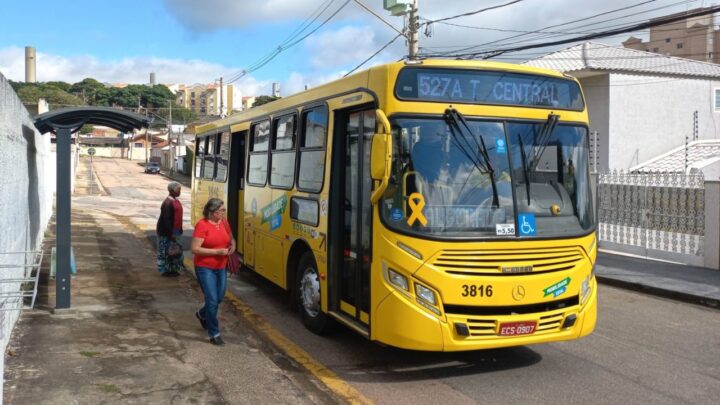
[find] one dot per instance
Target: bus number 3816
(477, 290)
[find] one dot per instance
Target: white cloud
(208, 15)
(128, 70)
(347, 45)
(137, 70)
(297, 82)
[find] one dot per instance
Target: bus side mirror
(381, 156)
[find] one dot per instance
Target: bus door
(236, 187)
(354, 212)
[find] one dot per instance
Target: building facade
(209, 99)
(693, 38)
(641, 104)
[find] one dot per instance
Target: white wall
(597, 98)
(27, 182)
(652, 115)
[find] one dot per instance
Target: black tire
(309, 297)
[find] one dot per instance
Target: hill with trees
(145, 99)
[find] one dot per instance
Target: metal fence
(657, 215)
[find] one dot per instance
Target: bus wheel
(309, 297)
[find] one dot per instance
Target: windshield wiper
(543, 137)
(526, 172)
(481, 159)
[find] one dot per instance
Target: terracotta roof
(596, 56)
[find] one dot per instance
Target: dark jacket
(167, 217)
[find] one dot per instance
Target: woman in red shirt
(212, 242)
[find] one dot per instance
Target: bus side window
(282, 165)
(200, 147)
(258, 157)
(209, 170)
(222, 156)
(313, 138)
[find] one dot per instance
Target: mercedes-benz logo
(518, 292)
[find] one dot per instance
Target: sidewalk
(696, 285)
(131, 336)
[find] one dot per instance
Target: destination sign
(488, 87)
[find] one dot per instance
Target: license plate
(517, 328)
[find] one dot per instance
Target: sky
(199, 41)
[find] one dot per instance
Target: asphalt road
(644, 349)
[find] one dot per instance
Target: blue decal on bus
(396, 214)
(500, 146)
(275, 222)
(526, 224)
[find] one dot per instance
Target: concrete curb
(660, 292)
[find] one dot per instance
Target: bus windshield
(492, 179)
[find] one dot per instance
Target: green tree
(30, 93)
(260, 100)
(64, 86)
(91, 91)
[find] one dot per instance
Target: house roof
(100, 140)
(594, 56)
(699, 154)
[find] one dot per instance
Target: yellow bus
(434, 205)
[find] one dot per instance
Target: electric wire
(661, 21)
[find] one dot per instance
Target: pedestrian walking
(212, 242)
(169, 229)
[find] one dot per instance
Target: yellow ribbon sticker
(417, 203)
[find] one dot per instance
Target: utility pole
(221, 97)
(413, 43)
(170, 137)
(401, 8)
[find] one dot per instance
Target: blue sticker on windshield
(396, 215)
(500, 145)
(526, 224)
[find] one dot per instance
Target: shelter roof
(76, 117)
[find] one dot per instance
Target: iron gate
(657, 215)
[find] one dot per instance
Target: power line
(545, 35)
(556, 25)
(476, 12)
(660, 21)
(285, 46)
(373, 55)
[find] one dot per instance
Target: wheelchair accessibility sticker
(526, 224)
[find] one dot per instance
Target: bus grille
(508, 262)
(484, 321)
(480, 327)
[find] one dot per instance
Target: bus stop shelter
(63, 123)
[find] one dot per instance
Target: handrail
(31, 273)
(378, 192)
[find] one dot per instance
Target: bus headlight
(397, 279)
(585, 289)
(425, 294)
(426, 298)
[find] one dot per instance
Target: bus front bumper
(399, 322)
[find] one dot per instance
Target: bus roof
(359, 80)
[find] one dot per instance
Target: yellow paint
(331, 380)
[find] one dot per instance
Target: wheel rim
(310, 292)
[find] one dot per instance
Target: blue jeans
(213, 284)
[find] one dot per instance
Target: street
(644, 349)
